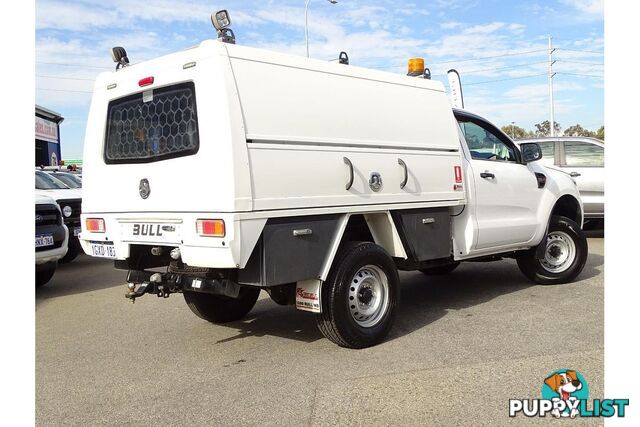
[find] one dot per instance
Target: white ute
(223, 170)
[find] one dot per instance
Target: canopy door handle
(350, 182)
(406, 173)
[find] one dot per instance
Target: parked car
(70, 201)
(51, 238)
(324, 181)
(71, 180)
(583, 159)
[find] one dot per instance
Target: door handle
(350, 182)
(487, 175)
(574, 174)
(406, 174)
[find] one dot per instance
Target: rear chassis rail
(165, 284)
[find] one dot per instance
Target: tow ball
(153, 285)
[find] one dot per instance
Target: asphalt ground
(462, 346)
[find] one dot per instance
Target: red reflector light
(210, 227)
(95, 225)
(146, 81)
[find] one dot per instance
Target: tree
(600, 133)
(577, 130)
(543, 129)
(515, 132)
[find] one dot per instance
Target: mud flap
(308, 295)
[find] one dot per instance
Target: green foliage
(577, 130)
(516, 132)
(543, 129)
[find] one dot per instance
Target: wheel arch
(568, 206)
(376, 227)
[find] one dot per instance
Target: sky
(500, 48)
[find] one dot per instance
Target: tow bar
(162, 285)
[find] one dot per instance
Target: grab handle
(406, 174)
(350, 182)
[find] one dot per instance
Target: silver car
(583, 159)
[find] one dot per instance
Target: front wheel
(44, 273)
(563, 254)
(360, 296)
(219, 309)
(72, 253)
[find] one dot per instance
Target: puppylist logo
(565, 393)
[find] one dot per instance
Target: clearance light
(95, 225)
(415, 67)
(146, 81)
(210, 227)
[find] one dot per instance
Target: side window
(579, 154)
(485, 145)
(548, 155)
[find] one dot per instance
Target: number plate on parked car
(103, 250)
(43, 240)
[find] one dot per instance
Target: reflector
(146, 81)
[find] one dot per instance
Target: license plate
(103, 250)
(76, 231)
(44, 240)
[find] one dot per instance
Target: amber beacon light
(415, 67)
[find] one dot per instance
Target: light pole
(306, 22)
(513, 131)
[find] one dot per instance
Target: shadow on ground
(424, 299)
(84, 274)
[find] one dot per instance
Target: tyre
(220, 309)
(565, 254)
(440, 270)
(44, 274)
(72, 253)
(360, 296)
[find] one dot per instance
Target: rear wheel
(45, 273)
(360, 296)
(219, 309)
(441, 269)
(563, 254)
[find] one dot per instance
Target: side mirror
(530, 152)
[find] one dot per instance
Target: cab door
(584, 162)
(507, 194)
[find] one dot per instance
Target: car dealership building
(47, 137)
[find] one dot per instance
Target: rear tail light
(95, 225)
(210, 227)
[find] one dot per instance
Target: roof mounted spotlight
(119, 56)
(221, 22)
(427, 74)
(343, 58)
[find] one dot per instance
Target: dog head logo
(564, 383)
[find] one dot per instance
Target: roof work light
(221, 22)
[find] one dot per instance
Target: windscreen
(44, 181)
(152, 125)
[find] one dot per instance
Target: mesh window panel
(152, 125)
